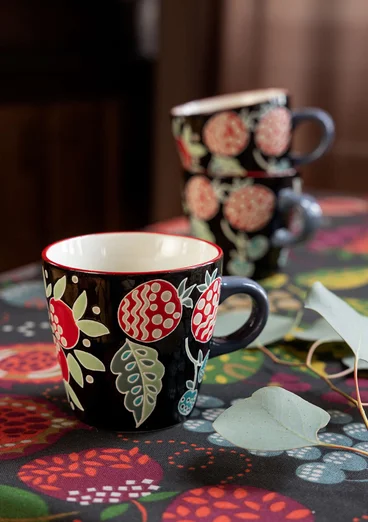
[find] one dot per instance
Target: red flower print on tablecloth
(289, 382)
(332, 396)
(153, 310)
(228, 503)
(94, 476)
(272, 134)
(250, 208)
(205, 310)
(28, 363)
(28, 425)
(201, 198)
(226, 134)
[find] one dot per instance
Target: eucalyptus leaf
(350, 361)
(272, 419)
(72, 396)
(80, 306)
(89, 361)
(17, 503)
(277, 326)
(349, 324)
(75, 369)
(59, 288)
(114, 511)
(92, 328)
(319, 330)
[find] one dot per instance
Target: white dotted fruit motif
(226, 134)
(250, 208)
(272, 135)
(205, 310)
(153, 310)
(201, 198)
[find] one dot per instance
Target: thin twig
(344, 373)
(345, 448)
(359, 400)
(276, 359)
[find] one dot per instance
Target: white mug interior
(131, 252)
(229, 101)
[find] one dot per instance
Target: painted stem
(40, 519)
(359, 400)
(345, 448)
(141, 509)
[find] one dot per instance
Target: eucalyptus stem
(359, 400)
(345, 448)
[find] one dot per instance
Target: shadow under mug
(254, 220)
(132, 317)
(242, 132)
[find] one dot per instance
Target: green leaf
(80, 306)
(72, 396)
(187, 133)
(257, 247)
(207, 279)
(148, 376)
(89, 361)
(59, 288)
(349, 362)
(201, 229)
(277, 326)
(75, 369)
(272, 419)
(197, 150)
(202, 288)
(92, 328)
(19, 503)
(181, 287)
(349, 324)
(226, 166)
(114, 511)
(154, 497)
(319, 330)
(49, 290)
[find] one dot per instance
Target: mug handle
(311, 217)
(328, 128)
(251, 329)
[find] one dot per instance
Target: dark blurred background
(86, 88)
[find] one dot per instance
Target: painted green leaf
(197, 150)
(319, 330)
(72, 395)
(92, 328)
(226, 165)
(257, 247)
(233, 367)
(17, 503)
(75, 369)
(201, 229)
(145, 377)
(80, 306)
(155, 497)
(277, 326)
(49, 290)
(272, 419)
(89, 361)
(114, 511)
(59, 288)
(187, 133)
(349, 324)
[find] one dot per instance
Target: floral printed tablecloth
(52, 467)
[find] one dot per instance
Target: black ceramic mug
(253, 220)
(243, 132)
(132, 317)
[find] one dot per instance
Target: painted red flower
(273, 132)
(184, 153)
(28, 363)
(153, 310)
(29, 425)
(229, 503)
(94, 476)
(201, 198)
(250, 208)
(226, 134)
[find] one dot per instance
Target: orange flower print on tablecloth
(231, 502)
(28, 425)
(100, 475)
(28, 363)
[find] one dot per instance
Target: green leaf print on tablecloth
(16, 503)
(335, 278)
(233, 367)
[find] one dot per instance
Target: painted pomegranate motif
(272, 135)
(250, 208)
(227, 503)
(100, 475)
(63, 324)
(201, 198)
(153, 310)
(28, 363)
(205, 310)
(184, 153)
(63, 364)
(226, 134)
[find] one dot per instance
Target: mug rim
(224, 102)
(46, 259)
